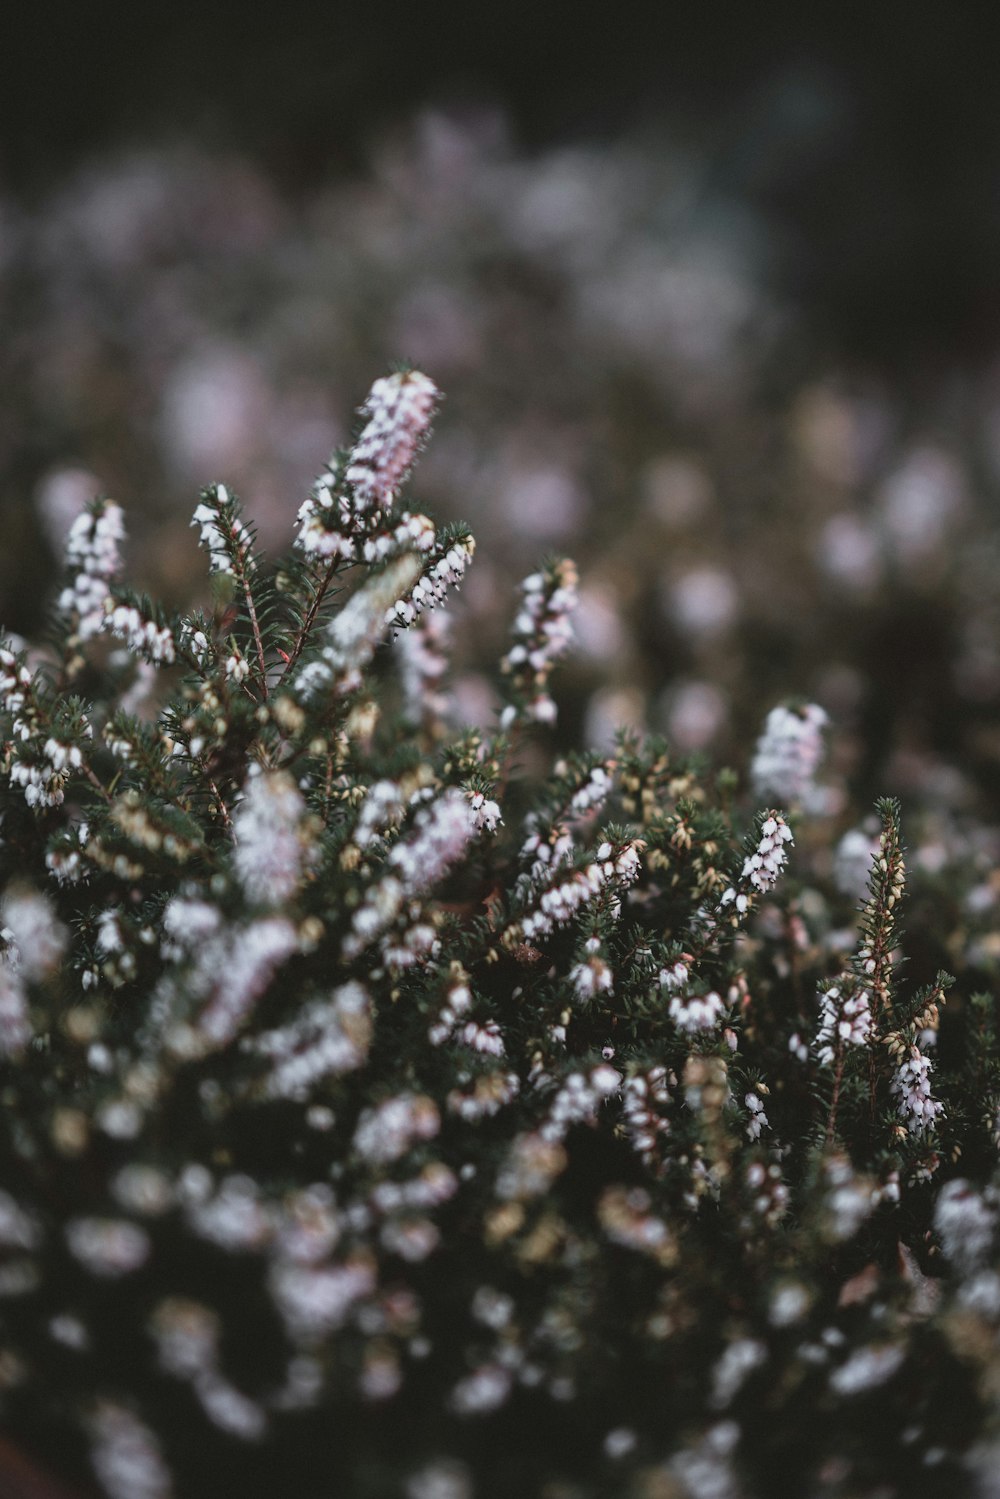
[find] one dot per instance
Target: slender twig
(309, 618)
(835, 1100)
(244, 582)
(98, 784)
(220, 803)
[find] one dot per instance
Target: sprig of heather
(351, 502)
(788, 755)
(93, 562)
(542, 634)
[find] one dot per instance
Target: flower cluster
(542, 636)
(788, 754)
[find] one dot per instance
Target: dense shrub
(389, 1108)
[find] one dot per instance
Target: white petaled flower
(761, 868)
(612, 869)
(542, 635)
(399, 409)
(328, 1037)
(126, 1455)
(237, 667)
(353, 634)
(270, 846)
(143, 636)
(764, 865)
(591, 978)
(845, 1020)
(911, 1087)
(593, 793)
(696, 1012)
(431, 588)
(757, 1119)
(483, 813)
(788, 755)
(93, 557)
(643, 1096)
(423, 657)
(36, 940)
(410, 533)
(387, 1130)
(15, 681)
(210, 522)
(325, 526)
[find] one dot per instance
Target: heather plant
(396, 1108)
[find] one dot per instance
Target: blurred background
(713, 292)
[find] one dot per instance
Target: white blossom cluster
(93, 557)
(578, 1100)
(547, 849)
(253, 955)
(845, 1020)
(593, 975)
(328, 1037)
(43, 779)
(225, 967)
(186, 1334)
(761, 868)
(381, 812)
(644, 1095)
(542, 636)
(66, 864)
(271, 846)
(696, 1012)
(232, 1215)
(315, 1300)
(484, 813)
(757, 1119)
(108, 1247)
(423, 652)
(788, 755)
(484, 1096)
(441, 832)
(853, 861)
(326, 523)
(210, 521)
(611, 869)
(966, 1221)
(339, 517)
(399, 409)
(457, 1003)
(386, 1131)
(15, 681)
(410, 533)
(431, 588)
(593, 793)
(143, 636)
(126, 1455)
(911, 1087)
(35, 939)
(353, 635)
(15, 1021)
(531, 1165)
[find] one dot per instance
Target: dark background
(872, 131)
(289, 207)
